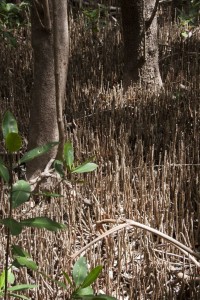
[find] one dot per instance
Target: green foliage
(188, 17)
(12, 16)
(11, 289)
(19, 193)
(85, 168)
(22, 258)
(95, 18)
(69, 155)
(82, 280)
(30, 155)
(80, 271)
(43, 222)
(9, 124)
(13, 142)
(14, 226)
(67, 164)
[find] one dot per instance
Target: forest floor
(147, 151)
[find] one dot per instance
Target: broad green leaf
(14, 226)
(83, 292)
(4, 172)
(37, 152)
(9, 124)
(85, 168)
(20, 193)
(19, 253)
(68, 279)
(43, 222)
(26, 262)
(69, 155)
(91, 277)
(58, 165)
(22, 287)
(13, 142)
(80, 271)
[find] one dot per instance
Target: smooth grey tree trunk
(141, 65)
(43, 125)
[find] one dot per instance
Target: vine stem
(8, 229)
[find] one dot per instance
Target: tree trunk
(43, 126)
(141, 66)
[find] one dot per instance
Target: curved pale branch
(127, 223)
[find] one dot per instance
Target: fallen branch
(127, 223)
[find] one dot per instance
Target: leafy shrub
(12, 17)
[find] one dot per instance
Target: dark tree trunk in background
(141, 65)
(43, 126)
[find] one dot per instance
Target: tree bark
(43, 125)
(61, 54)
(141, 65)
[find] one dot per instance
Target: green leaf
(43, 222)
(83, 292)
(80, 271)
(14, 226)
(2, 280)
(69, 155)
(37, 152)
(9, 124)
(68, 279)
(11, 278)
(20, 193)
(26, 262)
(4, 172)
(58, 165)
(184, 34)
(18, 254)
(22, 287)
(91, 277)
(13, 142)
(85, 168)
